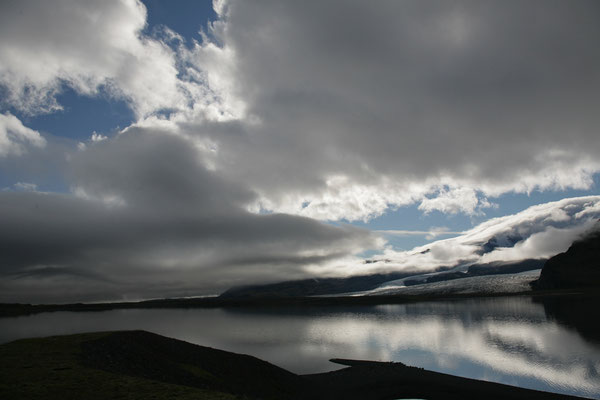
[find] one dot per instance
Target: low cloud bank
(540, 231)
(147, 219)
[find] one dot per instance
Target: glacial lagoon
(546, 345)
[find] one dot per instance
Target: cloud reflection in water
(508, 340)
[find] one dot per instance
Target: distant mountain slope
(315, 287)
(578, 267)
(509, 244)
(494, 268)
(471, 285)
(364, 283)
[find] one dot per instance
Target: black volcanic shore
(143, 365)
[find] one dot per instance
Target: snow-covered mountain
(538, 232)
(500, 255)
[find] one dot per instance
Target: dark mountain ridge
(315, 286)
(330, 286)
(578, 267)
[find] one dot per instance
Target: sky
(154, 149)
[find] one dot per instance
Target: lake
(548, 345)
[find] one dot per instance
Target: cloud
(352, 108)
(430, 234)
(27, 187)
(28, 157)
(540, 231)
(91, 47)
(445, 105)
(454, 201)
(148, 219)
(96, 137)
(15, 138)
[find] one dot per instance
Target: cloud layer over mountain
(538, 232)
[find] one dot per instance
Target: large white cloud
(16, 137)
(352, 107)
(89, 46)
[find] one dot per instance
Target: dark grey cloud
(491, 95)
(150, 220)
(156, 171)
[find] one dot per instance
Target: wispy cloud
(429, 234)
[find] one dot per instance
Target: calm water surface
(549, 346)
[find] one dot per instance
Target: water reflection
(509, 340)
(581, 313)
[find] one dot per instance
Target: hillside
(135, 365)
(364, 283)
(313, 287)
(578, 267)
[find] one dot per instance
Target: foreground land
(142, 365)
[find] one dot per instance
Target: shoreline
(20, 309)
